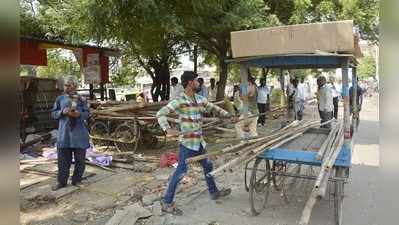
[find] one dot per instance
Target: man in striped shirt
(189, 107)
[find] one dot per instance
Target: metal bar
(244, 91)
(308, 177)
(354, 99)
(345, 97)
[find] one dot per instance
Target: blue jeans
(181, 170)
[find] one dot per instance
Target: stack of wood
(144, 112)
(249, 149)
(328, 153)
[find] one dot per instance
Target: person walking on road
(325, 101)
(335, 95)
(176, 89)
(263, 95)
(202, 89)
(299, 99)
(212, 90)
(190, 108)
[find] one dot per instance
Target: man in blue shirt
(71, 111)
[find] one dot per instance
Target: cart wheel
(246, 177)
(259, 186)
(278, 166)
(100, 129)
(288, 183)
(155, 137)
(128, 136)
(339, 198)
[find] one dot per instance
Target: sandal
(171, 209)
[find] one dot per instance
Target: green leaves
(367, 67)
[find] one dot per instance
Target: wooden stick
(273, 147)
(102, 167)
(326, 143)
(243, 157)
(307, 211)
(258, 150)
(328, 155)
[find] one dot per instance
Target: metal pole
(345, 97)
(91, 92)
(195, 52)
(244, 93)
(102, 91)
(354, 99)
(282, 78)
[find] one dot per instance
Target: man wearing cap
(190, 107)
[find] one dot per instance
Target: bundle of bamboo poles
(328, 153)
(247, 150)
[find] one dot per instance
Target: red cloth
(168, 159)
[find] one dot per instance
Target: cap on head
(187, 76)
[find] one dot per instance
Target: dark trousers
(335, 102)
(181, 170)
(325, 116)
(64, 156)
(262, 109)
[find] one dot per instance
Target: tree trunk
(161, 86)
(222, 79)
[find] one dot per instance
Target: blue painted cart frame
(343, 162)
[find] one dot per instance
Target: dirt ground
(106, 193)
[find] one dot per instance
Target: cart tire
(99, 128)
(128, 132)
(156, 138)
(246, 177)
(339, 198)
(278, 166)
(259, 186)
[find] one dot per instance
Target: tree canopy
(153, 33)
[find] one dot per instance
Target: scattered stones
(149, 199)
(157, 209)
(80, 217)
(129, 215)
(104, 203)
(156, 220)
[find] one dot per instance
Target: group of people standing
(189, 100)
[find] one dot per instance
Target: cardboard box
(295, 39)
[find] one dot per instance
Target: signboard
(92, 70)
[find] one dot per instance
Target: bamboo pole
(260, 149)
(327, 142)
(322, 178)
(328, 156)
(234, 147)
(243, 157)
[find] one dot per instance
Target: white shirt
(176, 91)
(325, 99)
(334, 90)
(212, 93)
(300, 92)
(262, 95)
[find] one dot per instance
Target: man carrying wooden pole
(189, 107)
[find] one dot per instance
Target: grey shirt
(325, 99)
